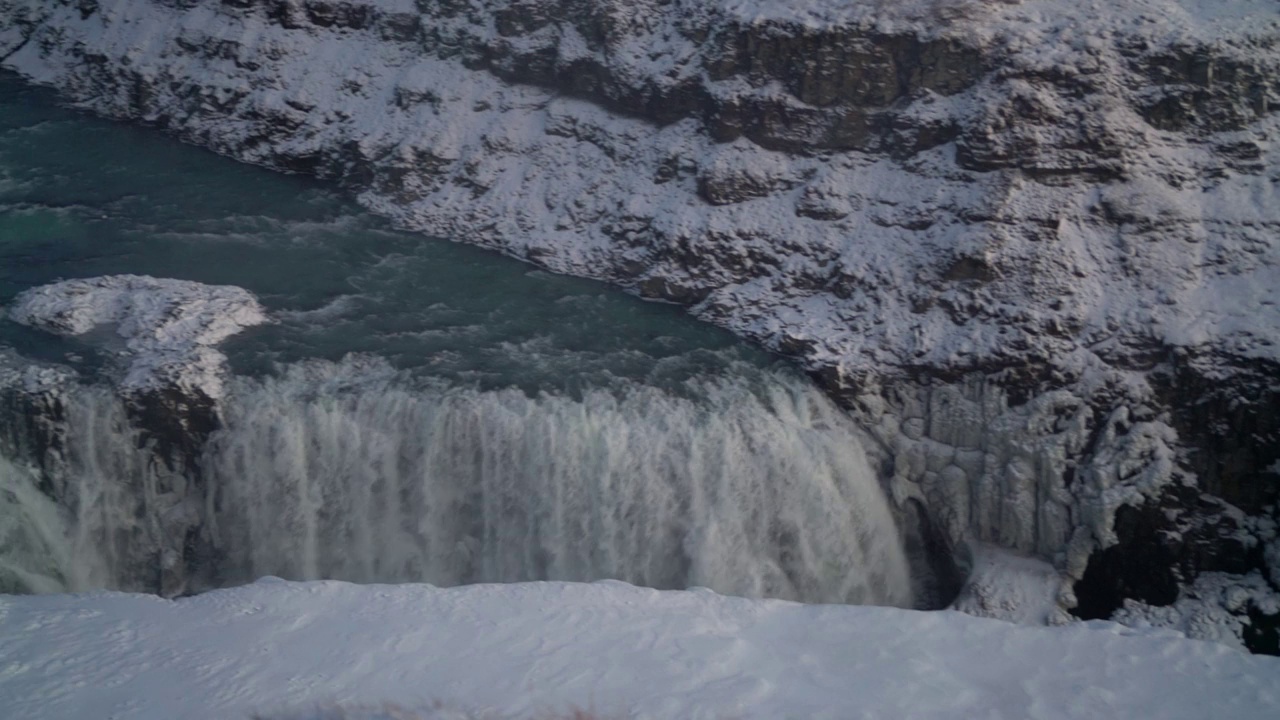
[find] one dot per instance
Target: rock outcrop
(171, 373)
(1032, 246)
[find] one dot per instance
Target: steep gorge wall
(1031, 246)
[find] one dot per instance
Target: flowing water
(421, 410)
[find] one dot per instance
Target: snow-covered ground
(529, 650)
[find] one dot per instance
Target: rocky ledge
(1032, 246)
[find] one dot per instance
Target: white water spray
(757, 489)
(90, 518)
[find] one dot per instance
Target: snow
(1202, 16)
(527, 650)
(1011, 587)
(17, 371)
(1215, 607)
(169, 327)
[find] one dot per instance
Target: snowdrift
(278, 648)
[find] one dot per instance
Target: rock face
(1032, 246)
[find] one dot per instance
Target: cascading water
(747, 487)
(753, 493)
(86, 519)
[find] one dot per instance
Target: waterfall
(88, 518)
(748, 487)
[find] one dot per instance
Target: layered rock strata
(1032, 246)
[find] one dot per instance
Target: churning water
(421, 411)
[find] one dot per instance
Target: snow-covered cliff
(1031, 246)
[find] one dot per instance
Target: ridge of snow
(169, 327)
(521, 650)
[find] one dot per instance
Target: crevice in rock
(1141, 565)
(937, 568)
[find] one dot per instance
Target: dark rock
(328, 13)
(661, 288)
(1228, 409)
(1262, 635)
(970, 268)
(1196, 87)
(937, 576)
(816, 204)
(1160, 547)
(400, 27)
(1141, 565)
(176, 422)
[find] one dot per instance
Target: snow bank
(169, 326)
(527, 649)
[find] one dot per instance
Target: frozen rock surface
(1216, 607)
(1031, 245)
(1010, 587)
(164, 333)
(169, 327)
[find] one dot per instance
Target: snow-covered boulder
(169, 327)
